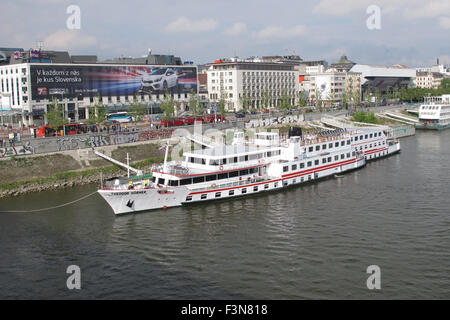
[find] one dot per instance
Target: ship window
(353, 153)
(224, 161)
(204, 196)
(211, 178)
(233, 174)
(244, 190)
(294, 167)
(184, 182)
(222, 176)
(253, 170)
(243, 172)
(302, 165)
(218, 194)
(336, 158)
(214, 162)
(375, 134)
(356, 138)
(342, 143)
(203, 161)
(309, 163)
(189, 198)
(231, 193)
(336, 145)
(173, 183)
(191, 160)
(275, 184)
(311, 149)
(302, 179)
(342, 156)
(154, 179)
(348, 141)
(324, 147)
(161, 181)
(371, 135)
(286, 169)
(324, 160)
(330, 145)
(329, 159)
(266, 186)
(198, 180)
(235, 159)
(317, 148)
(246, 158)
(348, 155)
(361, 137)
(366, 136)
(365, 147)
(316, 162)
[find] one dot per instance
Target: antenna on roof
(40, 44)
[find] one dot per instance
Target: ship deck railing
(232, 184)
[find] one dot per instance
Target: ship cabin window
(198, 180)
(235, 159)
(231, 193)
(218, 194)
(191, 160)
(336, 158)
(161, 181)
(342, 143)
(222, 176)
(324, 147)
(330, 145)
(366, 136)
(317, 148)
(294, 167)
(184, 182)
(203, 161)
(223, 161)
(361, 137)
(211, 178)
(316, 162)
(244, 190)
(204, 196)
(348, 155)
(375, 134)
(255, 188)
(342, 156)
(336, 145)
(243, 172)
(356, 138)
(266, 186)
(302, 165)
(329, 159)
(353, 153)
(365, 147)
(233, 174)
(370, 146)
(324, 160)
(371, 135)
(286, 169)
(154, 179)
(309, 164)
(189, 198)
(246, 158)
(253, 170)
(173, 183)
(348, 142)
(213, 162)
(311, 149)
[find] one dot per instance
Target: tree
(356, 97)
(266, 100)
(55, 114)
(168, 106)
(285, 102)
(194, 104)
(302, 98)
(221, 104)
(97, 112)
(378, 96)
(345, 99)
(245, 102)
(138, 110)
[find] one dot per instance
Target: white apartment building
(428, 79)
(260, 82)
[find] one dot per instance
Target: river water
(308, 242)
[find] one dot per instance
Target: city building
(343, 65)
(333, 87)
(30, 80)
(428, 79)
(262, 84)
(384, 78)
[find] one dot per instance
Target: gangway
(123, 165)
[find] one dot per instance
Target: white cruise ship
(241, 169)
(435, 113)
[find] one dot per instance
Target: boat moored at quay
(435, 113)
(267, 163)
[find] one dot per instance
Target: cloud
(236, 29)
(65, 39)
(444, 22)
(184, 24)
(277, 32)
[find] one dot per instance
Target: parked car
(240, 115)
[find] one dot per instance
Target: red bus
(69, 129)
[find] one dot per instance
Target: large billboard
(323, 86)
(86, 81)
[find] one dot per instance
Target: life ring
(221, 168)
(213, 185)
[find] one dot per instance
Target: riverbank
(22, 175)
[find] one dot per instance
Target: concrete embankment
(20, 175)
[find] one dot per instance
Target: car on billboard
(160, 80)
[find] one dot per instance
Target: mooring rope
(50, 208)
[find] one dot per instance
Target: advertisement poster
(86, 81)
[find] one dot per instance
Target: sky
(410, 32)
